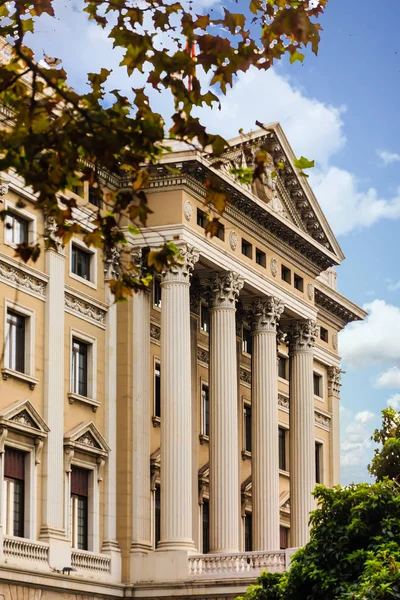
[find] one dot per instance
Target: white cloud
(374, 340)
(365, 416)
(394, 401)
(393, 287)
(390, 378)
(388, 157)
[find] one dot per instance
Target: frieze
(85, 309)
(155, 332)
(21, 279)
(322, 420)
(283, 401)
(245, 376)
(203, 355)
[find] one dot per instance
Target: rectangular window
(14, 476)
(157, 389)
(15, 341)
(79, 190)
(317, 385)
(81, 262)
(79, 501)
(202, 218)
(206, 526)
(318, 462)
(283, 367)
(261, 258)
(205, 403)
(248, 533)
(204, 318)
(247, 427)
(286, 274)
(247, 248)
(298, 282)
(282, 449)
(247, 342)
(157, 516)
(156, 292)
(79, 376)
(16, 229)
(95, 197)
(221, 231)
(323, 334)
(284, 537)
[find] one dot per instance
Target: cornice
(22, 277)
(338, 305)
(85, 307)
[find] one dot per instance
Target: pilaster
(224, 443)
(176, 420)
(265, 316)
(301, 337)
(334, 374)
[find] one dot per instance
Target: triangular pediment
(284, 501)
(284, 191)
(87, 438)
(23, 416)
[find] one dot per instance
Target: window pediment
(86, 438)
(22, 417)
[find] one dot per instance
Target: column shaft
(334, 406)
(176, 419)
(141, 495)
(265, 443)
(301, 430)
(53, 455)
(224, 443)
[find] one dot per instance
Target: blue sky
(341, 109)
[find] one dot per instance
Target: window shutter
(80, 482)
(14, 464)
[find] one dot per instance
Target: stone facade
(168, 446)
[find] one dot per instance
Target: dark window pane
(157, 516)
(318, 462)
(18, 508)
(81, 262)
(16, 341)
(247, 340)
(157, 390)
(206, 410)
(82, 523)
(202, 219)
(247, 428)
(80, 482)
(156, 293)
(248, 533)
(205, 319)
(206, 527)
(317, 384)
(282, 367)
(95, 197)
(282, 449)
(284, 537)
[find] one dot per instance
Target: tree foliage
(56, 135)
(353, 553)
(386, 460)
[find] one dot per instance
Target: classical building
(168, 446)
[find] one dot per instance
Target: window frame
(204, 305)
(204, 436)
(247, 248)
(286, 359)
(320, 443)
(248, 517)
(246, 407)
(29, 339)
(298, 282)
(93, 505)
(263, 255)
(286, 274)
(91, 342)
(320, 374)
(324, 334)
(287, 533)
(245, 349)
(203, 528)
(156, 285)
(92, 252)
(23, 214)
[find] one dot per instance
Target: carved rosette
(233, 239)
(224, 289)
(274, 267)
(188, 210)
(334, 384)
(265, 314)
(182, 269)
(301, 335)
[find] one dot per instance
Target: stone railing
(245, 563)
(89, 561)
(31, 550)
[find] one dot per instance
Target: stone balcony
(241, 564)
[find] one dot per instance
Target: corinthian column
(224, 443)
(176, 420)
(334, 406)
(265, 444)
(301, 336)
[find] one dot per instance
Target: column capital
(265, 314)
(181, 270)
(301, 335)
(334, 376)
(224, 289)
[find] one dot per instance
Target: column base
(159, 566)
(176, 545)
(141, 547)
